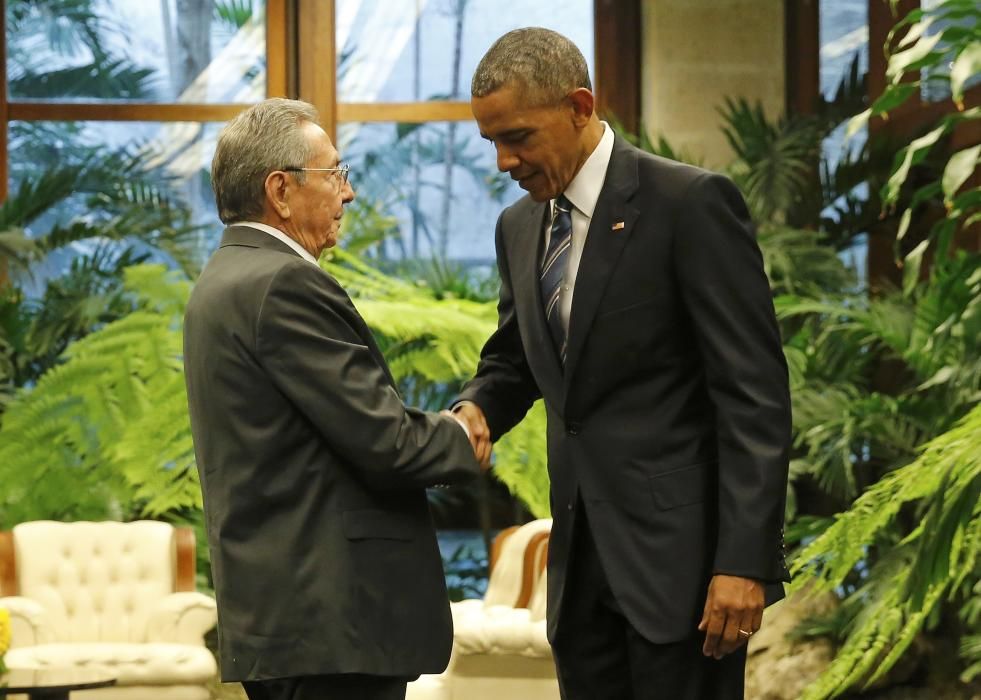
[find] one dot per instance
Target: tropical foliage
(886, 478)
(67, 29)
(874, 378)
(877, 378)
(66, 275)
(110, 425)
(61, 270)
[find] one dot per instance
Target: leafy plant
(876, 378)
(69, 29)
(934, 561)
(66, 276)
(109, 425)
(957, 44)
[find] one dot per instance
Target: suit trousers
(351, 686)
(600, 656)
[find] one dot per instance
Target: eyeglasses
(343, 171)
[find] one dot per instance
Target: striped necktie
(553, 270)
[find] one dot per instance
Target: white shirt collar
(276, 233)
(585, 188)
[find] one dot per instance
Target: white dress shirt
(276, 233)
(582, 193)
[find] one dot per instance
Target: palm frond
(776, 161)
(77, 430)
(936, 559)
(105, 79)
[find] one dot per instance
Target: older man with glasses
(326, 568)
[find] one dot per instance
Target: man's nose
(347, 194)
(506, 159)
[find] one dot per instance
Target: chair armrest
(500, 630)
(182, 618)
(29, 623)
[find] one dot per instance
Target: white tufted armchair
(116, 595)
(500, 648)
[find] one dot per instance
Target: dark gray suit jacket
(671, 418)
(314, 473)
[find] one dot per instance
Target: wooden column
(617, 27)
(277, 43)
(317, 59)
(802, 51)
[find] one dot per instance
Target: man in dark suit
(633, 300)
(326, 568)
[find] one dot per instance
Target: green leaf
(911, 267)
(959, 168)
(904, 222)
(857, 123)
(967, 65)
(893, 96)
(910, 156)
(943, 375)
(915, 32)
(911, 58)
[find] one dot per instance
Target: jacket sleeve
(728, 298)
(315, 356)
(503, 386)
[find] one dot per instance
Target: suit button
(573, 428)
(571, 507)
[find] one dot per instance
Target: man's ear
(277, 186)
(583, 103)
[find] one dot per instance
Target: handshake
(471, 418)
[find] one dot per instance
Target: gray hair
(263, 138)
(543, 65)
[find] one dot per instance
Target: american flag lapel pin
(618, 226)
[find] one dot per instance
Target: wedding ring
(744, 633)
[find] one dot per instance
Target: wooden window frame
(301, 63)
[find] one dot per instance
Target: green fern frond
(75, 430)
(937, 558)
(520, 462)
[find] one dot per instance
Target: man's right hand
(479, 432)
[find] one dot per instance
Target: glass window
(844, 36)
(410, 50)
(938, 90)
(438, 182)
(174, 158)
(195, 51)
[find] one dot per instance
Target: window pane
(937, 89)
(205, 51)
(438, 181)
(410, 50)
(150, 160)
(844, 40)
(844, 36)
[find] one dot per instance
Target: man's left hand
(733, 613)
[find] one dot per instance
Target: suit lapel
(528, 243)
(610, 227)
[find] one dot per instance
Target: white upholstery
(102, 594)
(504, 585)
(499, 651)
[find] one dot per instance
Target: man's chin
(538, 194)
